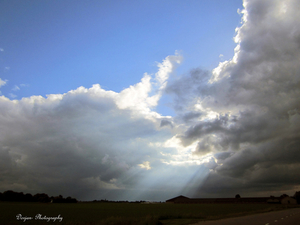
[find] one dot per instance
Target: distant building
(179, 199)
(274, 200)
(261, 200)
(288, 200)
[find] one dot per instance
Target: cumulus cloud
(86, 140)
(65, 141)
(246, 111)
(145, 95)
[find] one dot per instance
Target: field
(124, 213)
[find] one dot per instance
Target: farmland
(123, 213)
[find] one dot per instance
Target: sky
(148, 100)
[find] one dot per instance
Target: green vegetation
(126, 213)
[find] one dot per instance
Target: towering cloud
(245, 113)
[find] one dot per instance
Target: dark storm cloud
(255, 132)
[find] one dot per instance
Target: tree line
(12, 196)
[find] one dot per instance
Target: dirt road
(284, 217)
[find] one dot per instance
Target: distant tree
(297, 196)
(13, 196)
(237, 196)
(28, 198)
(71, 200)
(41, 197)
(283, 196)
(58, 199)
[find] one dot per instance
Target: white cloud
(144, 96)
(145, 165)
(16, 88)
(166, 68)
(2, 82)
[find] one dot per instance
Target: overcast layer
(236, 128)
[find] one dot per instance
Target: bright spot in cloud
(145, 165)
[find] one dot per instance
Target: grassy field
(125, 213)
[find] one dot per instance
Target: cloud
(16, 88)
(72, 139)
(166, 122)
(145, 95)
(246, 111)
(88, 142)
(145, 165)
(11, 95)
(2, 82)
